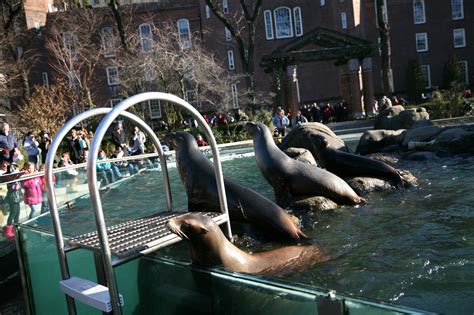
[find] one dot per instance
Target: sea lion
(198, 176)
(209, 247)
(346, 164)
(289, 177)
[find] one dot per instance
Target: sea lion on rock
(346, 164)
(294, 178)
(209, 247)
(198, 176)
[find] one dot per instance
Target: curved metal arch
(61, 134)
(92, 174)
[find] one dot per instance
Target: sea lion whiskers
(173, 226)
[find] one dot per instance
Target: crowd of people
(32, 191)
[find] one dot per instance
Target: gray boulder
(299, 137)
(457, 140)
(364, 185)
(313, 204)
(302, 155)
(373, 141)
(396, 117)
(422, 134)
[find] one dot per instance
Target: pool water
(413, 247)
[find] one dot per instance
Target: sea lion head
(178, 139)
(320, 141)
(203, 236)
(252, 128)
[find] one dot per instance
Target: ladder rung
(88, 292)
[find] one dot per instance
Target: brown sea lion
(346, 164)
(198, 176)
(209, 247)
(289, 177)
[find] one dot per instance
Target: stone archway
(351, 54)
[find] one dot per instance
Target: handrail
(50, 188)
(92, 175)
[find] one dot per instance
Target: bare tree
(167, 62)
(384, 31)
(77, 51)
(48, 108)
(242, 25)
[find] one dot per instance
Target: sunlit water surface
(413, 247)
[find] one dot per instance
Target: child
(33, 191)
(14, 198)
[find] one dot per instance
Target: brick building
(429, 31)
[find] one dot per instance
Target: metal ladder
(128, 240)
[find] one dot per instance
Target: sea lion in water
(198, 176)
(347, 164)
(289, 177)
(209, 247)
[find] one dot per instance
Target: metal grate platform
(139, 236)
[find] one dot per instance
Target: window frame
(69, 42)
(145, 41)
(227, 34)
(208, 11)
(463, 32)
(428, 73)
(461, 10)
(268, 21)
(184, 42)
(464, 65)
(44, 76)
(113, 102)
(230, 59)
(152, 116)
(322, 3)
(423, 9)
(278, 30)
(298, 23)
(225, 6)
(195, 99)
(111, 79)
(425, 35)
(344, 20)
(235, 95)
(108, 43)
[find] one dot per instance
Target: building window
(114, 101)
(19, 52)
(421, 42)
(459, 38)
(70, 44)
(235, 95)
(74, 78)
(191, 96)
(150, 73)
(112, 75)
(108, 42)
(322, 2)
(425, 70)
(228, 35)
(184, 33)
(225, 6)
(457, 8)
(283, 28)
(230, 58)
(208, 12)
(464, 69)
(146, 38)
(155, 108)
(298, 22)
(17, 27)
(344, 20)
(419, 11)
(267, 15)
(44, 75)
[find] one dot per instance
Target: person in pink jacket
(33, 192)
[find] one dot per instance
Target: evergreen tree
(453, 74)
(415, 81)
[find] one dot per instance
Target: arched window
(419, 11)
(283, 27)
(184, 33)
(267, 15)
(298, 21)
(108, 42)
(146, 38)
